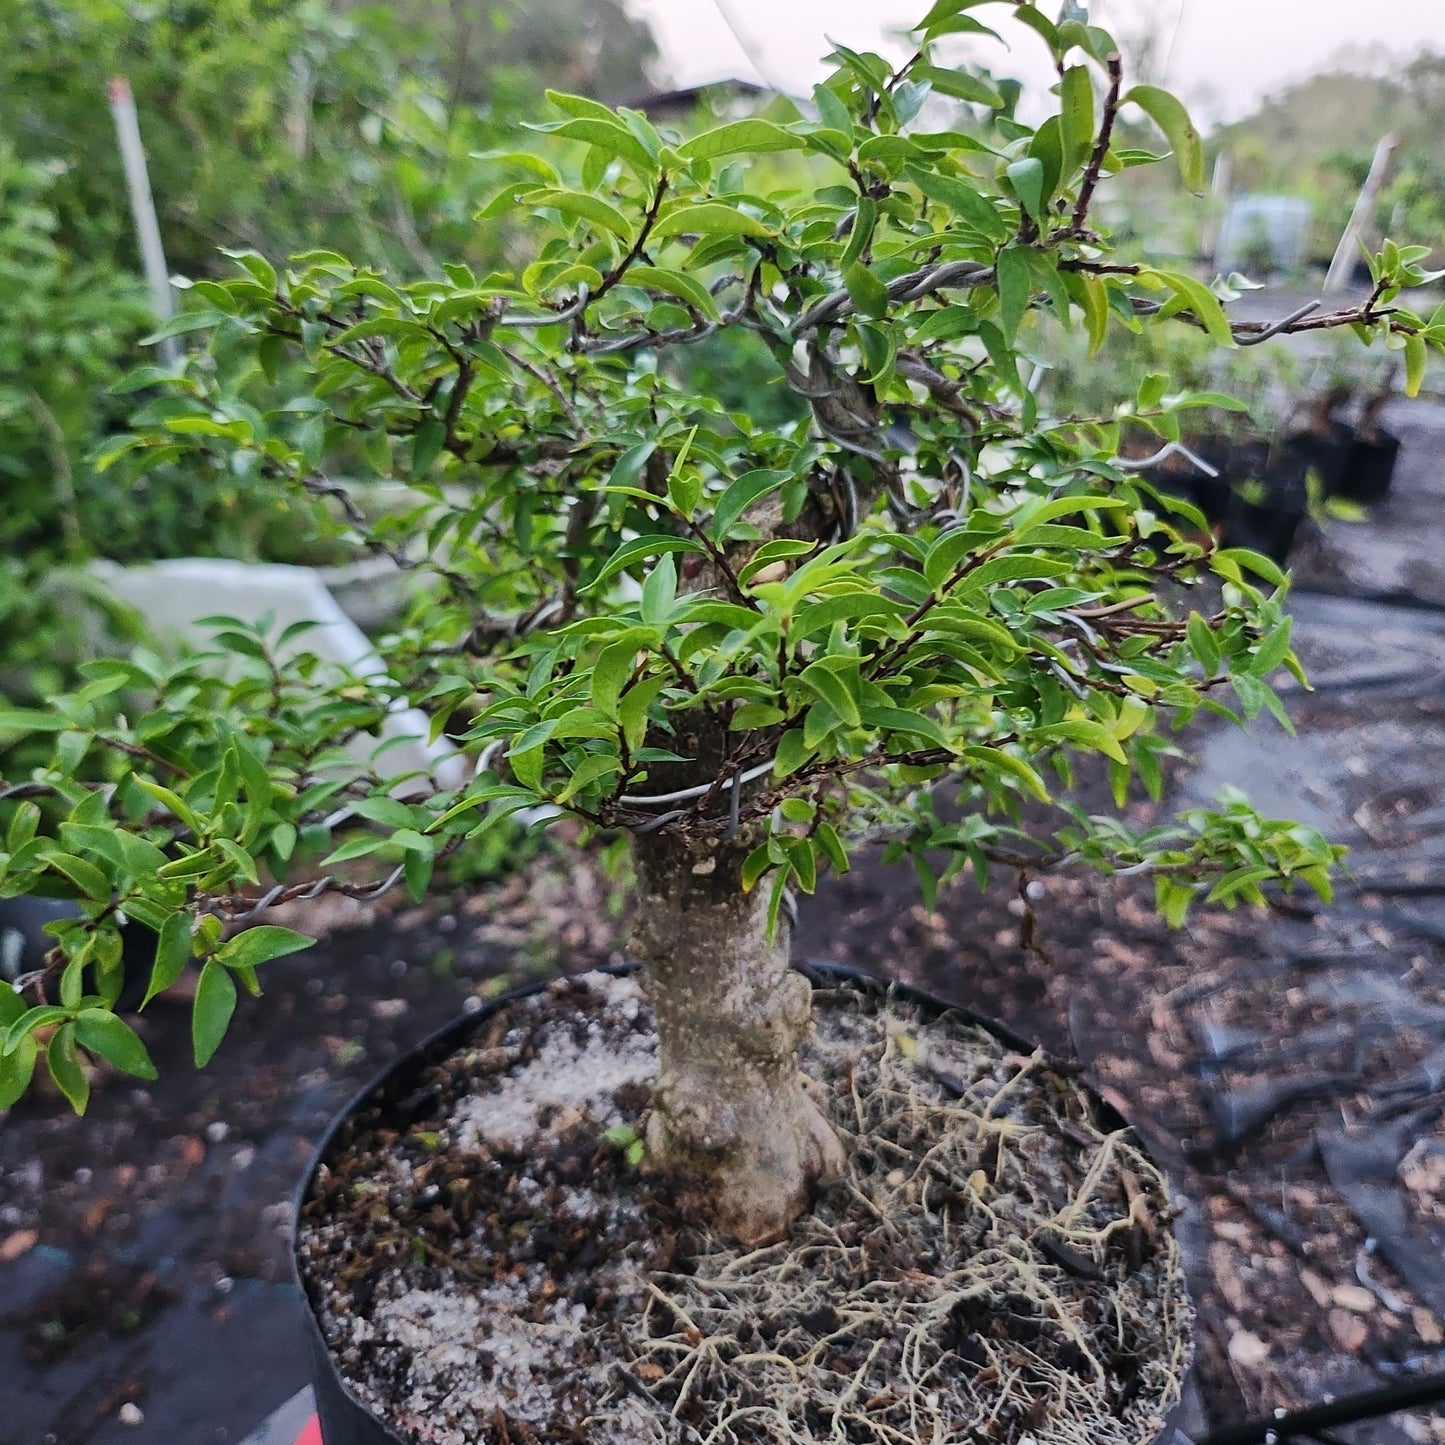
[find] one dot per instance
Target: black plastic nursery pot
(342, 1417)
(1266, 526)
(1181, 478)
(1371, 467)
(1268, 499)
(1329, 452)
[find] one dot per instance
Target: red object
(311, 1435)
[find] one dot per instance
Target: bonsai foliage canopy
(747, 646)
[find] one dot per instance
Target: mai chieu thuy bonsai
(743, 646)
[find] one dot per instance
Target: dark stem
(1101, 149)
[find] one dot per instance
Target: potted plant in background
(742, 648)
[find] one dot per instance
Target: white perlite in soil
(993, 1267)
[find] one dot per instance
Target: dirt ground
(1287, 1068)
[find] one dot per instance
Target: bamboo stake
(1218, 204)
(143, 210)
(1344, 261)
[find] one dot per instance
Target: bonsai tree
(745, 648)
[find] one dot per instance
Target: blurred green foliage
(276, 124)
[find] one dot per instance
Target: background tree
(1316, 139)
(740, 646)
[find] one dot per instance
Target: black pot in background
(1269, 523)
(1328, 452)
(24, 944)
(1371, 466)
(343, 1418)
(1181, 478)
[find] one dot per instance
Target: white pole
(143, 210)
(1344, 261)
(1217, 205)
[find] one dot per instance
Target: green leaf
(1170, 116)
(960, 84)
(99, 1031)
(1013, 288)
(869, 294)
(775, 901)
(944, 17)
(173, 952)
(610, 138)
(740, 495)
(184, 324)
(659, 592)
(389, 812)
(588, 207)
(805, 864)
(847, 607)
(40, 1017)
(610, 675)
(1256, 562)
(832, 847)
(85, 876)
(996, 760)
(1416, 358)
(23, 825)
(831, 111)
(12, 1006)
(1092, 296)
(751, 137)
(16, 1071)
(417, 868)
(961, 197)
(30, 720)
(792, 753)
(632, 711)
(1273, 650)
(754, 866)
(636, 550)
(362, 847)
(674, 283)
(1027, 178)
(66, 1068)
(1076, 116)
(896, 719)
(590, 770)
(707, 218)
(755, 715)
(865, 219)
(211, 1013)
(1083, 733)
(1202, 644)
(426, 446)
(261, 944)
(627, 470)
(1203, 303)
(780, 550)
(526, 764)
(582, 105)
(174, 802)
(827, 685)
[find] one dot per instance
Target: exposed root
(994, 1265)
(917, 1304)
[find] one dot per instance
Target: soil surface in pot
(996, 1264)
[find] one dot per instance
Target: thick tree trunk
(731, 1123)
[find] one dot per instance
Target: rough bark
(731, 1124)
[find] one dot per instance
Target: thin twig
(1101, 149)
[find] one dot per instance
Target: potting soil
(997, 1263)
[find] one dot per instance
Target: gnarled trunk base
(731, 1122)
